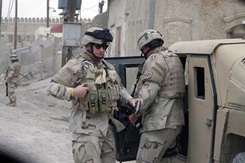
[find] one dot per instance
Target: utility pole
(72, 11)
(71, 20)
(47, 16)
(67, 57)
(15, 24)
(101, 4)
(0, 20)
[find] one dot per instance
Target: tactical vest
(173, 82)
(104, 88)
(17, 69)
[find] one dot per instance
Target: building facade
(176, 20)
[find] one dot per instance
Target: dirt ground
(36, 131)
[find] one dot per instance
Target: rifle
(127, 141)
(5, 77)
(6, 84)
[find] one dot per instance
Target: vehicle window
(200, 82)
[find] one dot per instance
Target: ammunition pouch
(103, 100)
(98, 101)
(92, 101)
(114, 92)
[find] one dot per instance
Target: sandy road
(36, 131)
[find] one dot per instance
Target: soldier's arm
(59, 91)
(148, 94)
(62, 83)
(124, 95)
(152, 78)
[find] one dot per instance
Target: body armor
(165, 69)
(102, 96)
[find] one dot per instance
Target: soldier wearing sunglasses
(94, 87)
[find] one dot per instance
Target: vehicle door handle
(208, 122)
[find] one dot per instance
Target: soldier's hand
(132, 101)
(81, 91)
(133, 118)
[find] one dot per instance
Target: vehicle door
(201, 108)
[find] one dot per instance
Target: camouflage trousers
(153, 145)
(93, 149)
(11, 92)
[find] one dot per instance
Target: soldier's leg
(153, 144)
(86, 149)
(109, 147)
(11, 94)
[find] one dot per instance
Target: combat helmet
(14, 57)
(97, 36)
(150, 37)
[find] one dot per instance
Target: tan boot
(12, 104)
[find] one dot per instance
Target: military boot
(12, 104)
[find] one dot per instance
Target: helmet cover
(97, 36)
(14, 57)
(147, 36)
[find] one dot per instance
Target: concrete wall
(177, 20)
(39, 60)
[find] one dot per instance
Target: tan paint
(228, 71)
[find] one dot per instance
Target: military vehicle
(214, 102)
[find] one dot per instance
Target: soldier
(12, 79)
(161, 86)
(94, 87)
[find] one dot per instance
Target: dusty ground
(36, 131)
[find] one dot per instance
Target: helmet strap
(145, 55)
(92, 52)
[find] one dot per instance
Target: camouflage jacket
(161, 86)
(75, 73)
(13, 73)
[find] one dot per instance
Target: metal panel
(71, 34)
(201, 46)
(201, 113)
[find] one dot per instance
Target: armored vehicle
(214, 102)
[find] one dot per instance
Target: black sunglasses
(98, 46)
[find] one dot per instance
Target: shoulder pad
(155, 68)
(66, 73)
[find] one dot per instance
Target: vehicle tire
(239, 158)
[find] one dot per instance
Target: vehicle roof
(201, 46)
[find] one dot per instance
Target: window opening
(200, 82)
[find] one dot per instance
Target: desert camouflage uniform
(161, 86)
(93, 139)
(13, 80)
